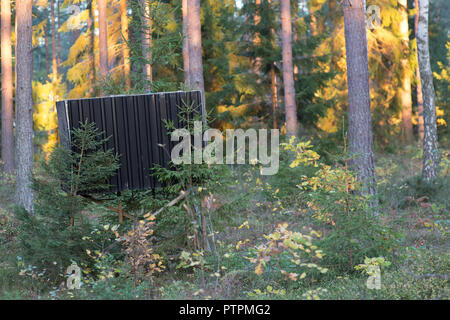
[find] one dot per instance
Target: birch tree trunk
(24, 105)
(195, 47)
(405, 90)
(359, 116)
(430, 148)
(184, 9)
(288, 71)
(126, 50)
(103, 38)
(418, 81)
(7, 89)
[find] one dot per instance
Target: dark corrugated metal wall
(136, 127)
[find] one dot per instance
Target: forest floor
(240, 220)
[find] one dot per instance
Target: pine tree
(288, 71)
(53, 236)
(359, 115)
(24, 105)
(7, 89)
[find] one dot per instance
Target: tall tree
(54, 62)
(24, 104)
(185, 43)
(195, 46)
(288, 71)
(91, 27)
(7, 89)
(58, 35)
(126, 50)
(418, 81)
(103, 38)
(430, 147)
(147, 40)
(359, 116)
(405, 90)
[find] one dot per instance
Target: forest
(341, 192)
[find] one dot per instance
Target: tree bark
(257, 61)
(430, 147)
(195, 47)
(126, 50)
(24, 105)
(184, 9)
(7, 89)
(47, 57)
(147, 41)
(359, 116)
(418, 82)
(58, 41)
(103, 38)
(91, 27)
(54, 64)
(274, 88)
(405, 90)
(288, 71)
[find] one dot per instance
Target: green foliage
(51, 237)
(351, 228)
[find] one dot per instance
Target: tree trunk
(195, 47)
(184, 8)
(103, 38)
(126, 50)
(418, 82)
(91, 27)
(274, 88)
(257, 61)
(359, 116)
(58, 34)
(405, 90)
(24, 105)
(288, 72)
(47, 57)
(147, 41)
(430, 148)
(54, 64)
(7, 89)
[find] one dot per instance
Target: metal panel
(135, 125)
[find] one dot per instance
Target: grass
(253, 207)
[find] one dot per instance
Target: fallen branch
(183, 194)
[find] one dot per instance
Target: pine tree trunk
(359, 116)
(126, 50)
(47, 57)
(7, 89)
(405, 90)
(257, 61)
(418, 82)
(195, 47)
(24, 105)
(58, 34)
(147, 41)
(274, 89)
(185, 43)
(54, 64)
(103, 38)
(91, 27)
(288, 72)
(430, 148)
